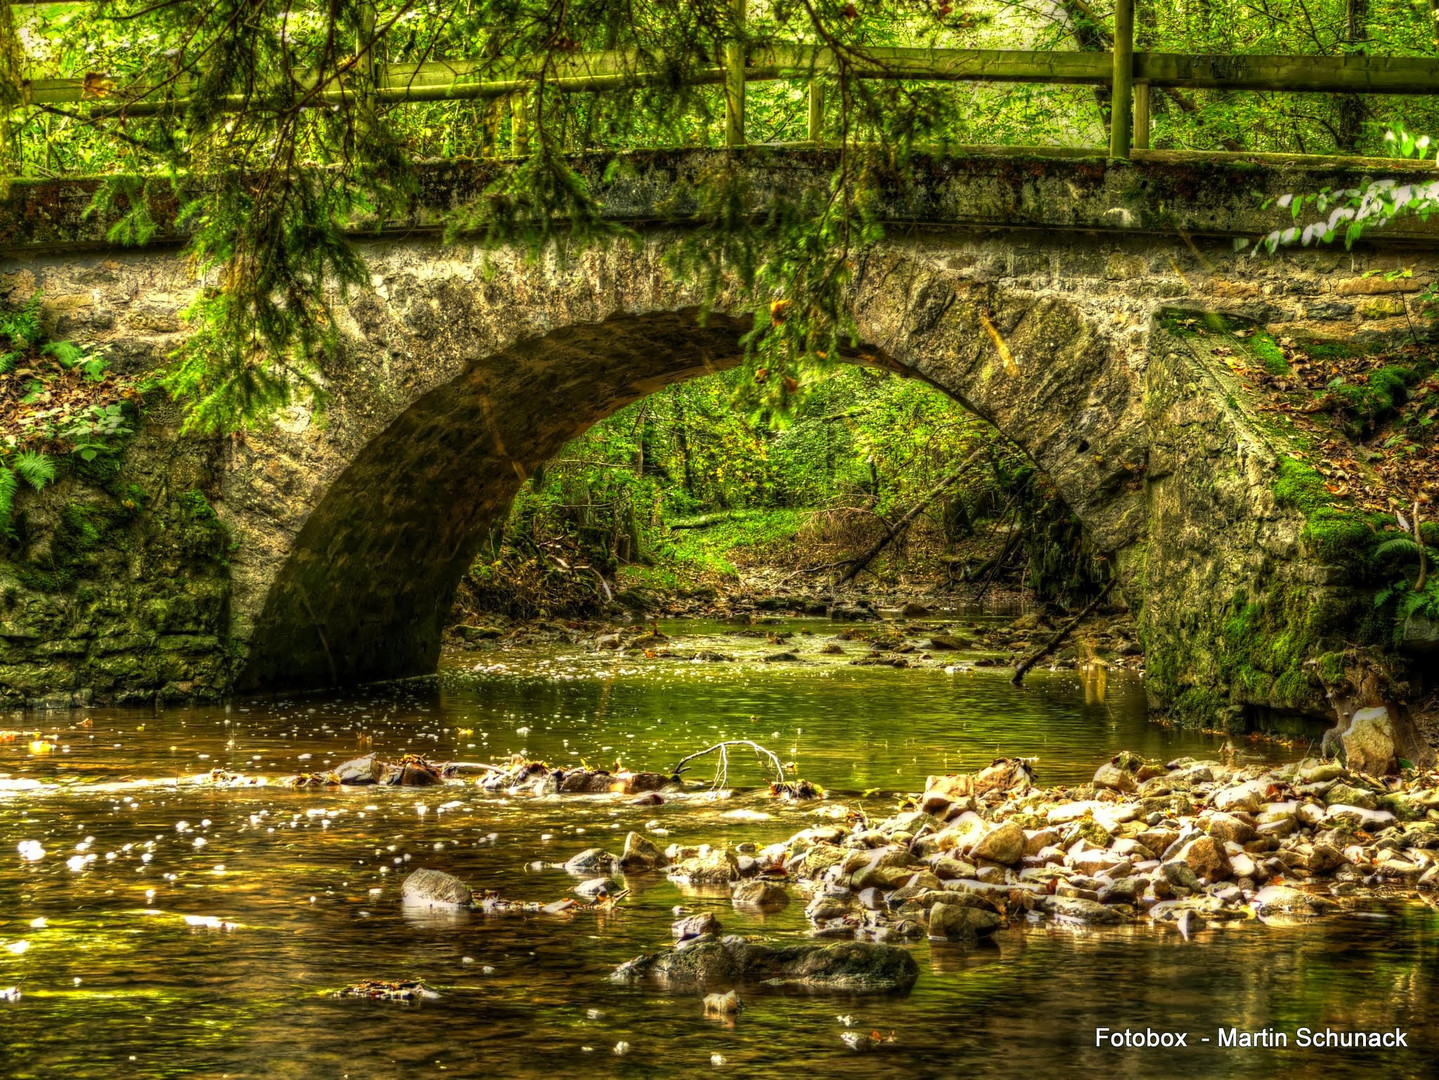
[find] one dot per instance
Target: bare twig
(722, 748)
(859, 563)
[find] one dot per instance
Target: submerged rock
(1074, 909)
(599, 782)
(722, 1004)
(596, 888)
(641, 854)
(411, 990)
(1280, 903)
(590, 861)
(760, 895)
(848, 967)
(955, 922)
(696, 926)
(435, 888)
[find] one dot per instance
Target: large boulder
(961, 922)
(848, 967)
(760, 895)
(1369, 744)
(716, 867)
(360, 770)
(1114, 776)
(1207, 858)
(1248, 797)
(436, 889)
(1227, 828)
(1002, 844)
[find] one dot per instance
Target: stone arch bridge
(326, 550)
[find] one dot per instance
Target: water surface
(177, 930)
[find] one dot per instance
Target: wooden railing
(1129, 74)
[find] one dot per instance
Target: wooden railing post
(1141, 116)
(520, 123)
(365, 67)
(816, 111)
(1121, 104)
(734, 81)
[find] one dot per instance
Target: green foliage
(97, 430)
(260, 339)
(35, 468)
(1399, 545)
(9, 488)
(22, 327)
(1353, 211)
(124, 200)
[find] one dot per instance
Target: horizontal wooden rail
(440, 80)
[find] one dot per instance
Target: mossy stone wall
(115, 584)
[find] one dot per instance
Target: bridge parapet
(1156, 192)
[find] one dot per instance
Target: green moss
(1330, 667)
(1340, 538)
(1361, 407)
(1269, 354)
(197, 506)
(1331, 350)
(1300, 486)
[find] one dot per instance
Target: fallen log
(1060, 635)
(898, 528)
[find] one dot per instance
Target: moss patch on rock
(114, 584)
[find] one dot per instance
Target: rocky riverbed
(1183, 844)
(853, 631)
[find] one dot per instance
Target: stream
(156, 927)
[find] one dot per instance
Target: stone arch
(367, 580)
(372, 574)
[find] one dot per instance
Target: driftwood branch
(722, 748)
(898, 528)
(1060, 635)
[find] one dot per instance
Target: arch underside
(366, 590)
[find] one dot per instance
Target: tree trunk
(682, 440)
(1351, 106)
